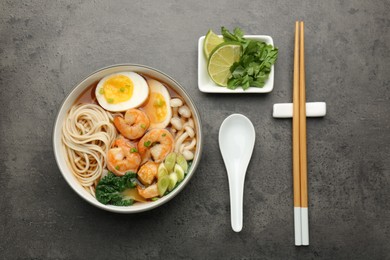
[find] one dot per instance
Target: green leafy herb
(255, 63)
(122, 89)
(147, 144)
(117, 167)
(109, 189)
(236, 36)
(143, 126)
(133, 150)
(110, 100)
(163, 135)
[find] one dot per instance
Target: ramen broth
(88, 96)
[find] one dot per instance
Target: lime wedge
(221, 59)
(210, 42)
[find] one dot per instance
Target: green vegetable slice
(162, 171)
(179, 172)
(170, 161)
(182, 162)
(172, 181)
(162, 185)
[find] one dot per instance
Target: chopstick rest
(313, 109)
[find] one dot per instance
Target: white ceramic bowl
(69, 101)
(206, 84)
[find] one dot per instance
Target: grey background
(46, 47)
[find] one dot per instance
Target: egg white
(140, 93)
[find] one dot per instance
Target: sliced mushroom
(190, 131)
(188, 155)
(176, 123)
(190, 146)
(176, 102)
(190, 123)
(184, 111)
(175, 112)
(179, 141)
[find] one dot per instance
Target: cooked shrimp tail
(149, 192)
(155, 145)
(123, 157)
(133, 125)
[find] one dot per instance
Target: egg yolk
(156, 107)
(118, 89)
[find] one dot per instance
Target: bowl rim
(153, 204)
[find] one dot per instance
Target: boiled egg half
(157, 107)
(122, 91)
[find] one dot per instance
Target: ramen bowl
(70, 100)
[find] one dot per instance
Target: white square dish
(205, 83)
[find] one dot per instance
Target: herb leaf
(255, 63)
(237, 36)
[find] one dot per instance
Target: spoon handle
(236, 188)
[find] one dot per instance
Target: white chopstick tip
(297, 226)
(305, 226)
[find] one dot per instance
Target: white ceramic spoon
(236, 142)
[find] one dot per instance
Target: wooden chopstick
(296, 143)
(302, 140)
(301, 220)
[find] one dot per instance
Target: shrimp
(149, 192)
(156, 145)
(123, 157)
(148, 172)
(133, 125)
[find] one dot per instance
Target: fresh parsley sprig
(255, 63)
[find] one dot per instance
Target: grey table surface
(47, 47)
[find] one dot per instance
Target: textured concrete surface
(46, 47)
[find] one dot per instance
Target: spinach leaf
(109, 189)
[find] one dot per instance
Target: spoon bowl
(236, 142)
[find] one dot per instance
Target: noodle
(123, 143)
(87, 134)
